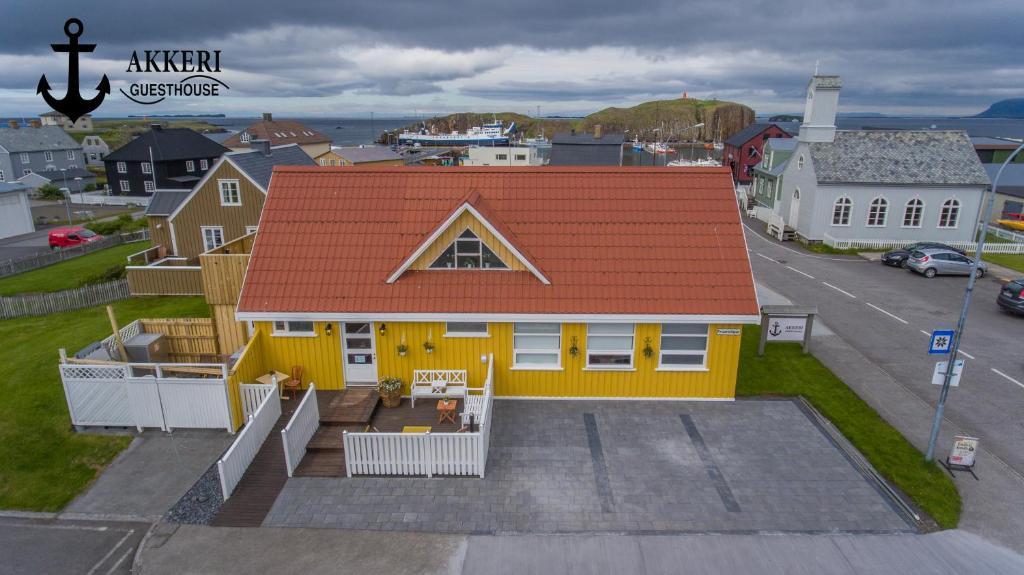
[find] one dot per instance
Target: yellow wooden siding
(322, 358)
(466, 220)
(165, 280)
(252, 363)
(160, 232)
(222, 276)
(231, 334)
(204, 209)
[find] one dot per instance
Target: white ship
(492, 134)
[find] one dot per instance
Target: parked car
(898, 257)
(69, 236)
(931, 262)
(1011, 297)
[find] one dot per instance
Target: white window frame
(289, 329)
(520, 157)
(630, 352)
(883, 211)
(147, 168)
(204, 165)
(918, 212)
(25, 159)
(847, 211)
(556, 351)
(662, 352)
(71, 155)
(126, 186)
(225, 201)
(47, 156)
(449, 333)
(190, 165)
(206, 244)
(250, 229)
(122, 168)
(952, 203)
(800, 162)
(149, 186)
(244, 137)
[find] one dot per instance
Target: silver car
(931, 262)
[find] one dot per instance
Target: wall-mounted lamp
(329, 329)
(383, 329)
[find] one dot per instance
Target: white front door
(358, 351)
(794, 209)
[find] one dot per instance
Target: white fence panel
(990, 248)
(144, 398)
(198, 403)
(97, 394)
(1007, 235)
(252, 395)
(300, 429)
(237, 458)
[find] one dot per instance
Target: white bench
(438, 383)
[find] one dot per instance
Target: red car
(69, 236)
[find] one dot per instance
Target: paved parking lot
(627, 466)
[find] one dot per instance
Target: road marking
(799, 272)
(119, 561)
(804, 254)
(111, 552)
(52, 526)
(965, 353)
(895, 317)
(924, 332)
(840, 290)
(1007, 377)
(767, 258)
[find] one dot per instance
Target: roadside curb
(28, 514)
(125, 518)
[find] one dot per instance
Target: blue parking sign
(942, 341)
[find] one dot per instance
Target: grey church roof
(259, 167)
(898, 157)
(361, 154)
(36, 139)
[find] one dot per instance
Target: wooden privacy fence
(237, 458)
(188, 339)
(165, 280)
(426, 453)
(66, 300)
(300, 429)
(144, 395)
(43, 259)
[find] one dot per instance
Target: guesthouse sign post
(786, 323)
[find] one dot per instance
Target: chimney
(13, 124)
(268, 117)
(263, 146)
(35, 123)
(597, 131)
(819, 123)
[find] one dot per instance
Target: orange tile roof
(611, 240)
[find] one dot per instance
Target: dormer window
(244, 137)
(468, 252)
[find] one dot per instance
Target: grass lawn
(785, 370)
(821, 248)
(1013, 261)
(43, 463)
(67, 274)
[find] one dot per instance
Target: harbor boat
(1013, 224)
(707, 162)
(659, 148)
(538, 142)
(492, 134)
(637, 146)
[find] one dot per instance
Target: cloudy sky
(398, 57)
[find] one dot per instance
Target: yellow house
(582, 282)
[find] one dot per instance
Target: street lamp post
(955, 348)
(67, 194)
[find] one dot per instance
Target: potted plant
(648, 350)
(390, 389)
(428, 346)
(402, 349)
(574, 348)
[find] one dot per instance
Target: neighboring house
(15, 211)
(744, 149)
(224, 206)
(95, 150)
(83, 124)
(588, 149)
(74, 179)
(360, 155)
(876, 185)
(36, 149)
(1009, 191)
(767, 183)
(432, 156)
(578, 291)
(162, 158)
(281, 133)
(508, 156)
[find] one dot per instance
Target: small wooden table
(446, 410)
(416, 429)
(267, 379)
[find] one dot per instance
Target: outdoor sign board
(786, 328)
(942, 341)
(963, 451)
(786, 323)
(940, 373)
(728, 331)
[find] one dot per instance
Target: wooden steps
(349, 407)
(325, 463)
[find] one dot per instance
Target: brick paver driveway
(619, 466)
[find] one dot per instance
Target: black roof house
(168, 144)
(179, 158)
(587, 149)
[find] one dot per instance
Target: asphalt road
(888, 313)
(34, 546)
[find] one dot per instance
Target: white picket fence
(142, 395)
(1007, 235)
(101, 198)
(237, 458)
(300, 429)
(252, 395)
(876, 245)
(37, 304)
(424, 453)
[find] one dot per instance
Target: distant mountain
(1011, 108)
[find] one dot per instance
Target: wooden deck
(262, 482)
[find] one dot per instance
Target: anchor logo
(73, 105)
(775, 329)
